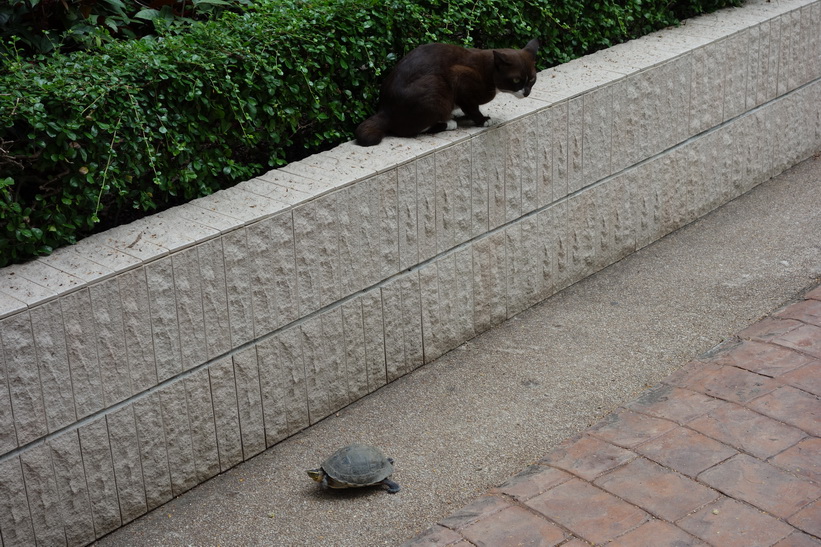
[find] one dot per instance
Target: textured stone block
(55, 375)
(317, 252)
(559, 143)
(755, 64)
(814, 43)
(667, 116)
(274, 384)
(153, 450)
(99, 468)
(522, 169)
(597, 136)
(317, 377)
(453, 200)
(42, 496)
(401, 304)
(356, 358)
(774, 54)
(407, 213)
(273, 273)
(799, 48)
(82, 352)
(190, 314)
(8, 435)
(214, 297)
(514, 269)
(575, 140)
(15, 517)
(487, 178)
(544, 156)
(737, 56)
(201, 422)
(787, 133)
(72, 488)
(374, 339)
(249, 401)
(786, 30)
(23, 378)
(616, 198)
(178, 436)
(489, 281)
(809, 118)
(463, 295)
(550, 236)
(706, 171)
(238, 287)
(125, 452)
(323, 351)
(488, 152)
(514, 146)
(137, 327)
(426, 206)
(654, 198)
(384, 227)
(412, 320)
(707, 91)
(455, 305)
(226, 414)
(676, 192)
(532, 178)
(756, 134)
(354, 227)
(813, 20)
(816, 99)
(524, 264)
(560, 234)
(281, 357)
(582, 216)
(391, 293)
(629, 96)
(431, 320)
(333, 334)
(447, 304)
(165, 327)
(111, 348)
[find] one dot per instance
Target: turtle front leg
(392, 487)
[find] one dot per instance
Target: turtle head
(316, 474)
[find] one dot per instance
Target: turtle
(353, 466)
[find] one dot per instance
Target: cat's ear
(532, 47)
(501, 58)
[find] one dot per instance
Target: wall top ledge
(279, 191)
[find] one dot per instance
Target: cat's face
(516, 69)
(519, 86)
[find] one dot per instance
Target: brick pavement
(725, 452)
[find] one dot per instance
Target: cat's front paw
(450, 125)
(486, 123)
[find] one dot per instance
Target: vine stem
(107, 164)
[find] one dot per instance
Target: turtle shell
(357, 465)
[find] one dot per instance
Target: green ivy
(92, 138)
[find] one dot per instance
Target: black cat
(431, 81)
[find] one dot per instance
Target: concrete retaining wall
(144, 360)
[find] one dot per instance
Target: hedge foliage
(92, 138)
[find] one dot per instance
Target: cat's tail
(371, 131)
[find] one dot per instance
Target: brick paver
(725, 452)
(730, 523)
